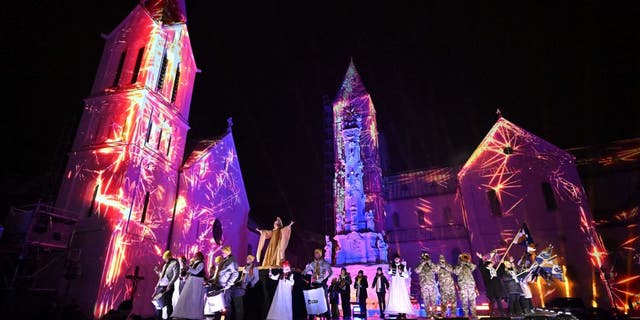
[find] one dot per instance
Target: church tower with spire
(358, 201)
(122, 174)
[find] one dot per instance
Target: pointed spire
(499, 113)
(229, 124)
(167, 11)
(352, 85)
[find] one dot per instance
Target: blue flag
(523, 236)
(548, 267)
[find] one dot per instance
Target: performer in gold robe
(278, 241)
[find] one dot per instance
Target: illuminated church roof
(507, 140)
(167, 11)
(352, 85)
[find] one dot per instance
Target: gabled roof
(203, 146)
(506, 141)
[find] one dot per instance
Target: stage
(268, 287)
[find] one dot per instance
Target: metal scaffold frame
(37, 247)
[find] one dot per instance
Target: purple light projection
(125, 178)
(357, 183)
(502, 185)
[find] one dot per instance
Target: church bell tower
(122, 172)
(358, 201)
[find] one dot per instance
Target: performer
(446, 285)
(361, 285)
(493, 285)
(251, 283)
(250, 273)
(344, 283)
(191, 301)
(282, 304)
(428, 286)
(213, 272)
(184, 271)
(334, 298)
(227, 276)
(399, 301)
(320, 271)
(468, 290)
(381, 285)
(167, 277)
(509, 278)
(279, 240)
(179, 285)
(526, 299)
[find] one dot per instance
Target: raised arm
(458, 268)
(195, 270)
(471, 266)
(308, 268)
(329, 272)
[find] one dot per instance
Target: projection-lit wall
(212, 208)
(125, 166)
(423, 214)
(352, 101)
(514, 177)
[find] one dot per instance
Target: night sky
(436, 71)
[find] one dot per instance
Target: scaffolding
(36, 247)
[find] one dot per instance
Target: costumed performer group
(184, 291)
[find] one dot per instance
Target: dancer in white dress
(399, 301)
(190, 303)
(282, 305)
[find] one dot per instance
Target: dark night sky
(436, 71)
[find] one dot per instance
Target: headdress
(285, 266)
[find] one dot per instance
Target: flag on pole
(548, 266)
(523, 237)
(556, 272)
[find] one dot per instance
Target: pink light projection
(353, 104)
(515, 177)
(125, 177)
(212, 190)
(625, 281)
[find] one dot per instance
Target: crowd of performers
(183, 287)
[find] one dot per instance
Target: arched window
(421, 217)
(144, 209)
(494, 202)
(93, 200)
(136, 68)
(216, 231)
(549, 197)
(116, 79)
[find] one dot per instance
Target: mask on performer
(286, 268)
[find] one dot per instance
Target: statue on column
(339, 224)
(328, 249)
(383, 249)
(370, 223)
(279, 240)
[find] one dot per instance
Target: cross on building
(135, 277)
